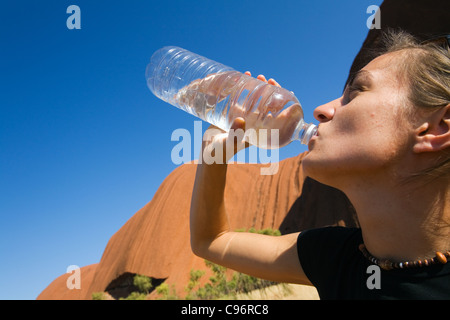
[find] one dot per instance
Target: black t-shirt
(333, 263)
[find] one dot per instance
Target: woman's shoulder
(329, 243)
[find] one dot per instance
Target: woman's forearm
(208, 217)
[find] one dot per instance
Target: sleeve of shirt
(321, 252)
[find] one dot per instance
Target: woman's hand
(263, 78)
(220, 146)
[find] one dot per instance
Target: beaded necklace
(386, 264)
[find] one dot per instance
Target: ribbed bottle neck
(304, 132)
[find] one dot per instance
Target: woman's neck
(403, 222)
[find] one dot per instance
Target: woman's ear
(434, 134)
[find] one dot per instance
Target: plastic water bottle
(218, 94)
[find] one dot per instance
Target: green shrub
(143, 283)
(166, 293)
(222, 286)
(135, 296)
(98, 296)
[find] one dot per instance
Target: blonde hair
(426, 68)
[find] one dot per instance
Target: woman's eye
(353, 91)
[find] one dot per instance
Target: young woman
(386, 144)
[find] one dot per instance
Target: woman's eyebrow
(362, 75)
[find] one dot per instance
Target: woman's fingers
(263, 78)
(237, 138)
(273, 82)
(220, 146)
(238, 123)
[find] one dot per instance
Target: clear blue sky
(83, 142)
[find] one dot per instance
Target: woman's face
(362, 134)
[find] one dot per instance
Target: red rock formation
(58, 288)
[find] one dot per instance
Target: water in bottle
(218, 94)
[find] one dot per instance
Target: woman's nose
(326, 111)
